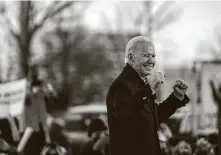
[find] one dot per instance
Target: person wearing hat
(133, 114)
(96, 133)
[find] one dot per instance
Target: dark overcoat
(134, 116)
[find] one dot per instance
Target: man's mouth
(148, 64)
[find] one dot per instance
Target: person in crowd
(97, 139)
(164, 134)
(9, 129)
(54, 149)
(35, 113)
(164, 128)
(204, 147)
(216, 88)
(182, 148)
(215, 85)
(5, 147)
(133, 114)
(164, 147)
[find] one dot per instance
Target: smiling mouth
(148, 65)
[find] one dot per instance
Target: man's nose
(151, 60)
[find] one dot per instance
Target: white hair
(133, 43)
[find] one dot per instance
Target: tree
(31, 18)
(81, 67)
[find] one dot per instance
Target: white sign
(203, 117)
(205, 123)
(12, 97)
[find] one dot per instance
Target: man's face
(144, 60)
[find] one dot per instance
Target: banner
(204, 123)
(12, 96)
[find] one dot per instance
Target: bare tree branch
(167, 19)
(7, 24)
(51, 13)
(162, 9)
(33, 11)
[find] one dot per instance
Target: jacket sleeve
(169, 106)
(122, 104)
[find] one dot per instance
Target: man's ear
(130, 56)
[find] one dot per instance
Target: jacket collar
(132, 75)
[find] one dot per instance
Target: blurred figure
(164, 147)
(6, 148)
(133, 114)
(165, 130)
(9, 128)
(164, 134)
(56, 134)
(54, 149)
(216, 88)
(35, 113)
(97, 139)
(215, 85)
(182, 148)
(203, 147)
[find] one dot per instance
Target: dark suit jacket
(133, 115)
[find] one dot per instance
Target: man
(133, 115)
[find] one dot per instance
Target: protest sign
(12, 97)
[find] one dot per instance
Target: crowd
(98, 143)
(35, 138)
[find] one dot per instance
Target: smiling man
(133, 115)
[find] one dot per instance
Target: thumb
(176, 90)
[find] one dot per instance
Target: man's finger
(183, 85)
(177, 82)
(160, 74)
(180, 91)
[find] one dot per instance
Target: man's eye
(146, 55)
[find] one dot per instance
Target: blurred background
(79, 48)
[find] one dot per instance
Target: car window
(75, 125)
(80, 122)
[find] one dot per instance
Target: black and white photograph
(110, 77)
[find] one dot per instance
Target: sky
(196, 23)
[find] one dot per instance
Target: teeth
(148, 65)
